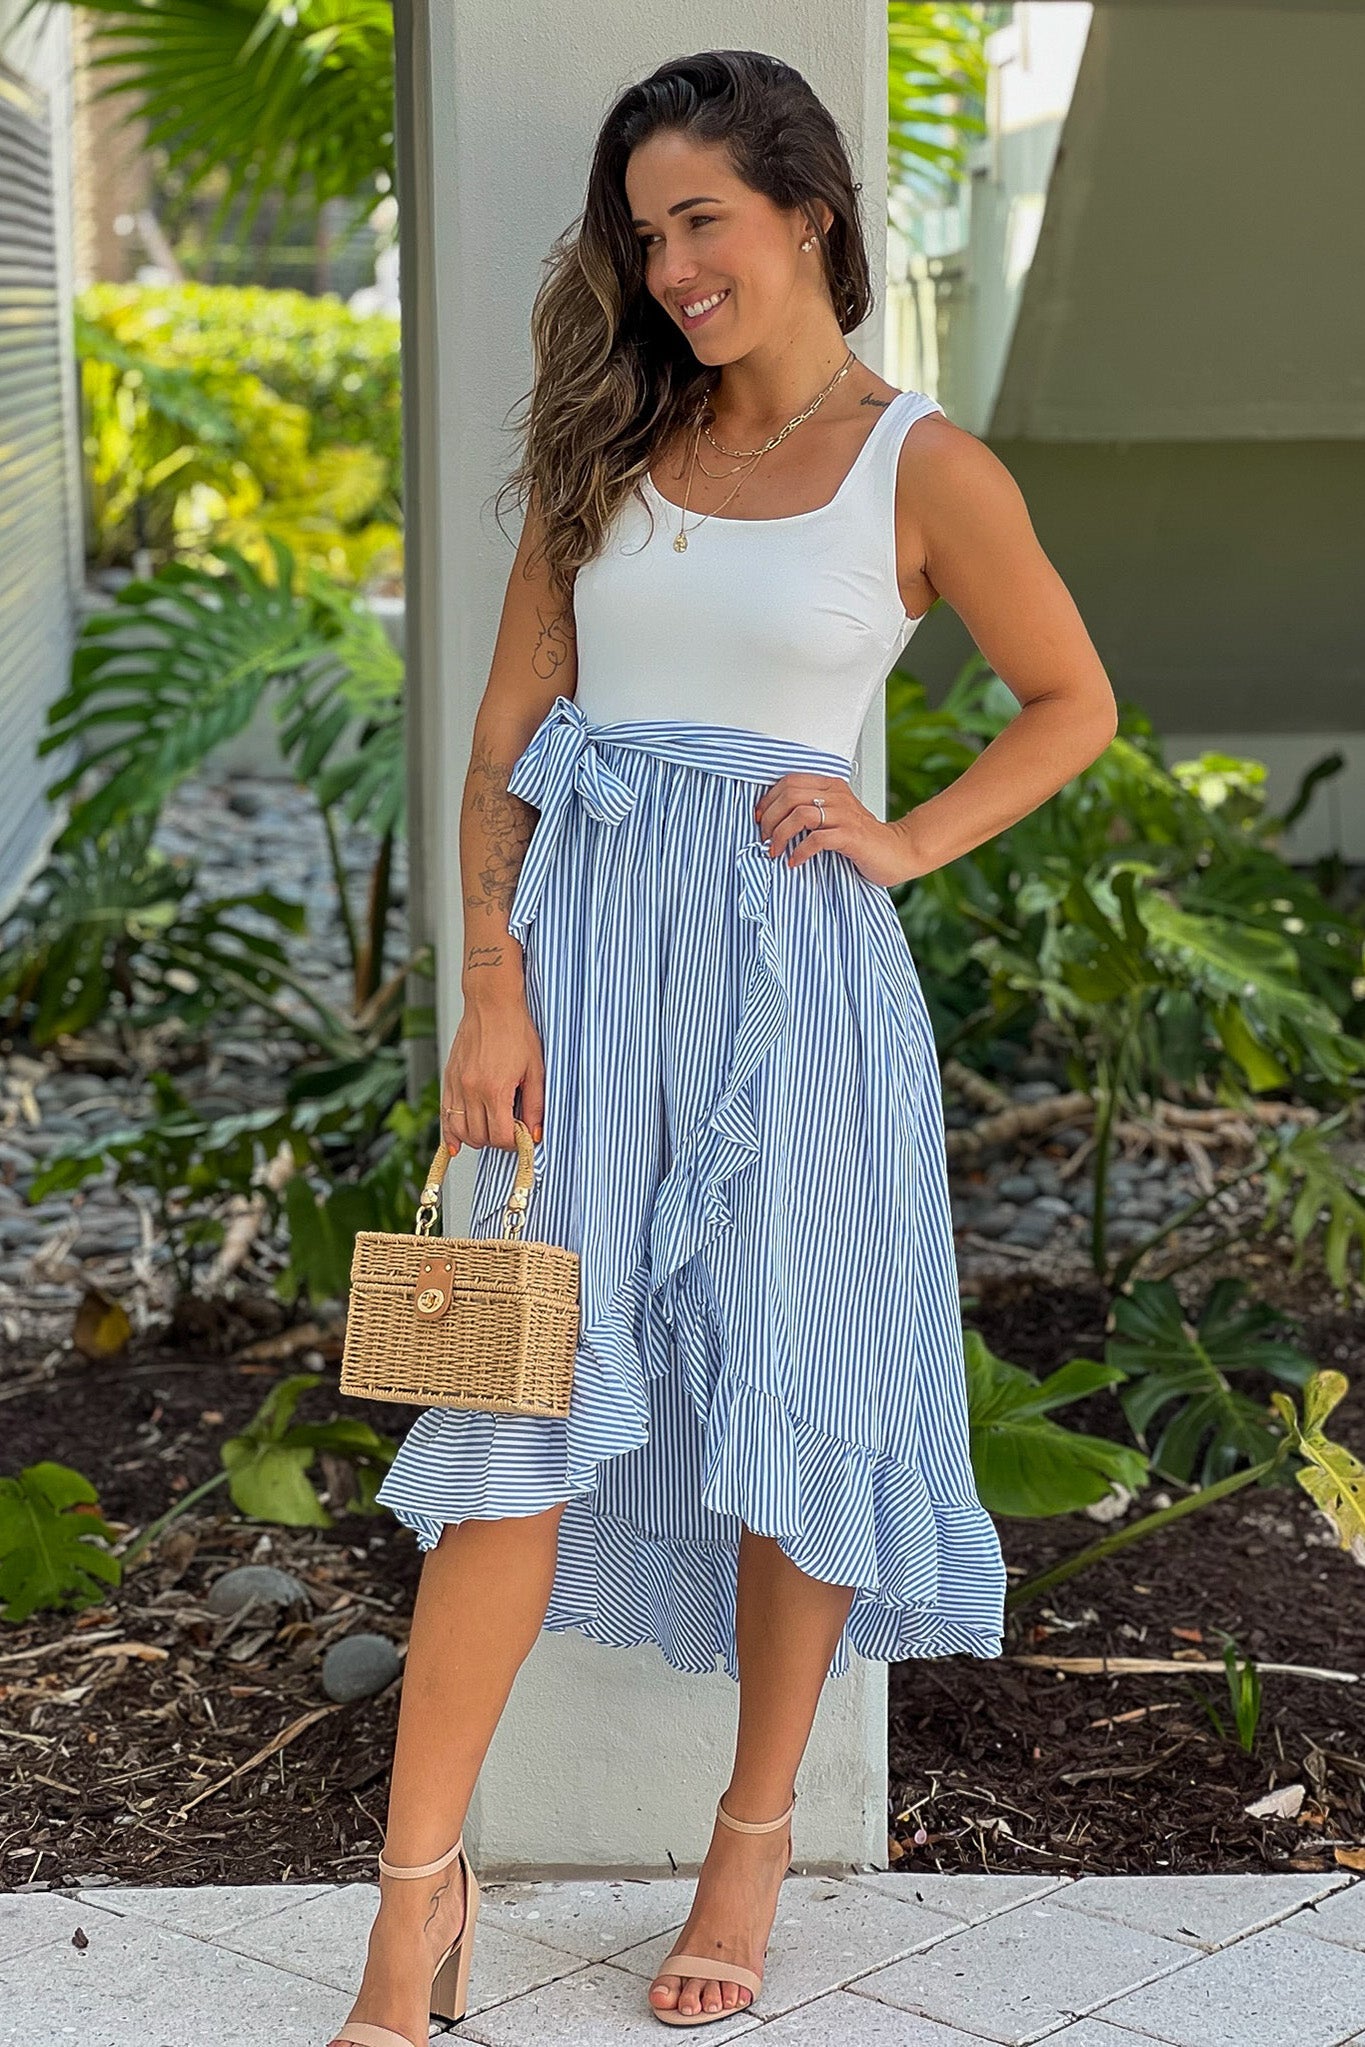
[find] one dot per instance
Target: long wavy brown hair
(614, 377)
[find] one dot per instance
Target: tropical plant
(296, 1163)
(256, 97)
(267, 1465)
(180, 662)
(1181, 1371)
(54, 1552)
(1026, 1464)
(1212, 846)
(192, 1167)
(175, 666)
(323, 1220)
(936, 79)
(52, 1543)
(1148, 918)
(217, 418)
(1331, 1475)
(109, 927)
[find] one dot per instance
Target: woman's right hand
(495, 1051)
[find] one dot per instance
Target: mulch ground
(150, 1741)
(1000, 1766)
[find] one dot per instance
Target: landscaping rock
(995, 1221)
(358, 1666)
(230, 1593)
(1034, 1090)
(1031, 1229)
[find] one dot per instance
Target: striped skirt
(743, 1140)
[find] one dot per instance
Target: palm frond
(172, 668)
(936, 84)
(287, 96)
(362, 689)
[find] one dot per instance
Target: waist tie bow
(559, 763)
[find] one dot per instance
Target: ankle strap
(755, 1826)
(420, 1868)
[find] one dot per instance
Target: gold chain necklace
(752, 455)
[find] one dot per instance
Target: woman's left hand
(880, 851)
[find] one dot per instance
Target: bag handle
(429, 1202)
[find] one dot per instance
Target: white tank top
(786, 626)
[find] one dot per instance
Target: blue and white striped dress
(743, 1128)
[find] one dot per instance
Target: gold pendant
(680, 543)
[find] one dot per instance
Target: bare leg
(480, 1604)
(787, 1626)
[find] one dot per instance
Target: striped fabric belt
(562, 764)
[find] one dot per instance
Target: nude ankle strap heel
(450, 1983)
(679, 1963)
(754, 1826)
(420, 1868)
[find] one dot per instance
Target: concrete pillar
(606, 1759)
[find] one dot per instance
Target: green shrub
(1135, 880)
(1148, 917)
(215, 415)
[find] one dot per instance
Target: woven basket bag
(481, 1322)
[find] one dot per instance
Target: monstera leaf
(1181, 1370)
(51, 1530)
(1322, 1193)
(269, 1461)
(1332, 1477)
(1024, 1463)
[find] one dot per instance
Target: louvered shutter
(36, 597)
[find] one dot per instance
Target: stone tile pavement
(872, 1960)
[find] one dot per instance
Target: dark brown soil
(107, 1749)
(136, 1730)
(1001, 1766)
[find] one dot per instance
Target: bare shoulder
(937, 453)
(964, 533)
(945, 473)
(953, 496)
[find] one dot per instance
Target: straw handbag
(481, 1322)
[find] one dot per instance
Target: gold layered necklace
(750, 457)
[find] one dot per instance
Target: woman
(681, 954)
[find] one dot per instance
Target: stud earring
(809, 242)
